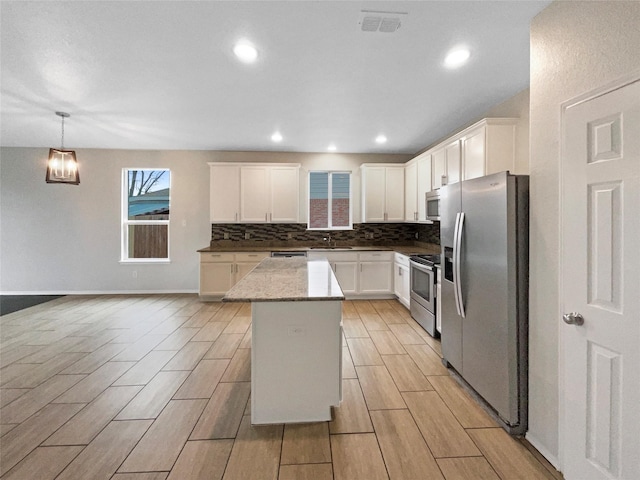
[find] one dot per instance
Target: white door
(600, 359)
(347, 276)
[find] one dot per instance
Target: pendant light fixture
(62, 166)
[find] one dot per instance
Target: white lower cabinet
(221, 271)
(401, 279)
(347, 275)
(361, 274)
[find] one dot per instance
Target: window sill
(156, 261)
(346, 229)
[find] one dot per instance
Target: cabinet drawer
(402, 259)
(376, 256)
(251, 257)
(207, 257)
(342, 256)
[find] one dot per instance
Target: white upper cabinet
(438, 169)
(417, 182)
(224, 193)
(424, 184)
(452, 155)
(411, 191)
(382, 193)
(284, 186)
(254, 193)
(489, 147)
(486, 147)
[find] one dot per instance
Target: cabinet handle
(236, 268)
(443, 180)
(399, 271)
(266, 217)
(232, 269)
(236, 218)
(270, 217)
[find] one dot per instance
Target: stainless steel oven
(422, 302)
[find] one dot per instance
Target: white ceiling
(162, 75)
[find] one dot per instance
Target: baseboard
(95, 292)
(552, 459)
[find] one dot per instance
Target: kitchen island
(296, 342)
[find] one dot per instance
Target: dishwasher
(289, 254)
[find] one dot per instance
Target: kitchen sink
(331, 248)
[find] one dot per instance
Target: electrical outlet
(417, 236)
(289, 235)
(247, 235)
(226, 235)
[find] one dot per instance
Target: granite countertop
(287, 279)
(403, 249)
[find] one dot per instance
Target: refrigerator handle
(457, 255)
(455, 263)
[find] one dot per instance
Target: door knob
(573, 318)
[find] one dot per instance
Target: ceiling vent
(376, 21)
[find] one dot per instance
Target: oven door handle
(457, 277)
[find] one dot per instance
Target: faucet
(328, 239)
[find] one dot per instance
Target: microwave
(432, 205)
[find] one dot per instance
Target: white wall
(64, 238)
(575, 48)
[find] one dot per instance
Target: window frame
(330, 200)
(125, 222)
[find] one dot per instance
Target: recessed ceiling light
(331, 147)
(457, 57)
(276, 137)
(245, 52)
(381, 139)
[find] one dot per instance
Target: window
(329, 200)
(145, 214)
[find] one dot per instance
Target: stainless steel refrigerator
(484, 231)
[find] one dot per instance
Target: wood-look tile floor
(156, 387)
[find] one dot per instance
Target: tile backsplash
(296, 234)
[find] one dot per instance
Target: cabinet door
(411, 192)
(397, 280)
(284, 193)
(373, 193)
(452, 154)
(254, 194)
(216, 278)
(375, 277)
(394, 194)
(347, 276)
(473, 154)
(242, 269)
(405, 285)
(224, 193)
(438, 169)
(423, 185)
(245, 262)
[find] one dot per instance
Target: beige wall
(575, 48)
(62, 238)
